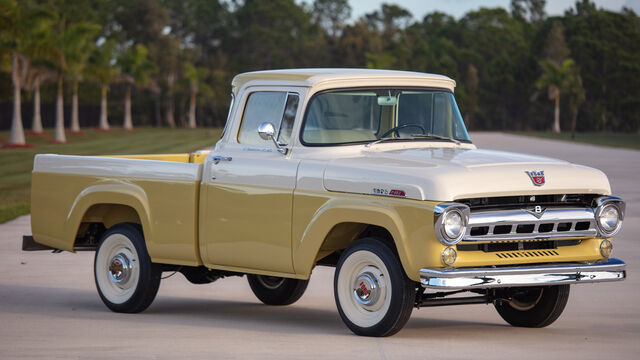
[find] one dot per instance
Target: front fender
(409, 222)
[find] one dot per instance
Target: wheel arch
(337, 225)
(108, 204)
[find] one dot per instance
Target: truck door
(247, 190)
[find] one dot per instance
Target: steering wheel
(395, 129)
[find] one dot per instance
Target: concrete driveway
(49, 307)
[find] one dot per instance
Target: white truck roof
(340, 77)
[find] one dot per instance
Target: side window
(278, 108)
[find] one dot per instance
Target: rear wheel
(126, 279)
(533, 306)
(273, 290)
(372, 292)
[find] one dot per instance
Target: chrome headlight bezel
(604, 203)
(444, 211)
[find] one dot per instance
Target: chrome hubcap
(119, 269)
(366, 290)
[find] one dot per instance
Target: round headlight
(609, 216)
(452, 224)
(609, 219)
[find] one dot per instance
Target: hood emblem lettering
(537, 177)
(387, 192)
(537, 211)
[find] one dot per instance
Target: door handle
(217, 158)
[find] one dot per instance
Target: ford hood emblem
(537, 177)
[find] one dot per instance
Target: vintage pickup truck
(369, 171)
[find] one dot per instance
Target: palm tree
(576, 94)
(21, 29)
(135, 69)
(77, 56)
(71, 49)
(194, 75)
(102, 68)
(36, 75)
(556, 79)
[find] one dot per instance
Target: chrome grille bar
(526, 224)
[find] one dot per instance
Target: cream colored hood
(447, 174)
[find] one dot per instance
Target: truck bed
(159, 192)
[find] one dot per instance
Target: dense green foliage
(502, 59)
(15, 172)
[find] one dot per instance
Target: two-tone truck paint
(369, 171)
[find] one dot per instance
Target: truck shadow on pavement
(170, 312)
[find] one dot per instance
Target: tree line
(170, 63)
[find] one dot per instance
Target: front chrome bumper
(534, 275)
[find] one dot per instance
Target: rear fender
(129, 195)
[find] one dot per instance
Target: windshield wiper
(414, 136)
(383, 140)
(434, 136)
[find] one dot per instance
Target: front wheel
(273, 290)
(533, 306)
(126, 279)
(373, 295)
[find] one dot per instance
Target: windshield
(361, 116)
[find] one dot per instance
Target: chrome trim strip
(515, 276)
(516, 217)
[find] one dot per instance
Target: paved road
(49, 307)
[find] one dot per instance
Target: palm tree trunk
(104, 123)
(128, 124)
(556, 115)
(192, 110)
(158, 111)
(59, 136)
(17, 132)
(75, 122)
(170, 111)
(36, 126)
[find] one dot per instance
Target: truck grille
(529, 224)
(520, 201)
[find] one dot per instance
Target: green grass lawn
(16, 164)
(620, 140)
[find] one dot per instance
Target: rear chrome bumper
(534, 275)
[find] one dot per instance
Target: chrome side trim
(515, 276)
(513, 218)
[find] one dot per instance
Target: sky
(457, 8)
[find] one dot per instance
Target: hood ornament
(537, 177)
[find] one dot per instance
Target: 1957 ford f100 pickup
(370, 171)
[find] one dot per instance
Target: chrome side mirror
(267, 131)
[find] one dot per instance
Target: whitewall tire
(125, 277)
(372, 292)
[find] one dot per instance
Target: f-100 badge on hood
(537, 177)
